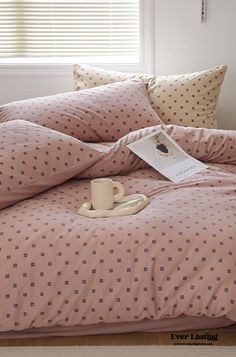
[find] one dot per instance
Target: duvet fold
(175, 257)
(207, 145)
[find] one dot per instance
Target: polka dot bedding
(188, 99)
(174, 257)
(31, 159)
(207, 145)
(104, 113)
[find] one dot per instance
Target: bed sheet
(175, 257)
(180, 323)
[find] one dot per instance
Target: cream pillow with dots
(189, 99)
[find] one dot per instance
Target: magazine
(161, 152)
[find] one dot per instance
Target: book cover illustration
(161, 152)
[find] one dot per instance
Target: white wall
(183, 44)
(26, 81)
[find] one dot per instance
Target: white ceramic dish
(126, 206)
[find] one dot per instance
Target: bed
(169, 267)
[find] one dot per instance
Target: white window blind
(70, 28)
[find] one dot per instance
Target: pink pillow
(105, 113)
(34, 158)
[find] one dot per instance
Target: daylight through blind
(73, 28)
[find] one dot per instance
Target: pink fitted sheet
(180, 323)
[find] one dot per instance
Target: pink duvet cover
(175, 257)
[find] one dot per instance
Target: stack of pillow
(43, 140)
(187, 100)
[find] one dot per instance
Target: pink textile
(177, 256)
(180, 323)
(105, 113)
(208, 145)
(34, 158)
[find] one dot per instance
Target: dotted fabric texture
(98, 114)
(208, 145)
(175, 257)
(189, 99)
(34, 158)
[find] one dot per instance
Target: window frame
(62, 67)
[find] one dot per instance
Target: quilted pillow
(188, 99)
(105, 113)
(34, 158)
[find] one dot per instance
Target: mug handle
(121, 191)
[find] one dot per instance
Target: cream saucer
(126, 206)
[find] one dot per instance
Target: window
(93, 31)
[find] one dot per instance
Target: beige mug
(102, 193)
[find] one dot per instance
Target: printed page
(161, 152)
